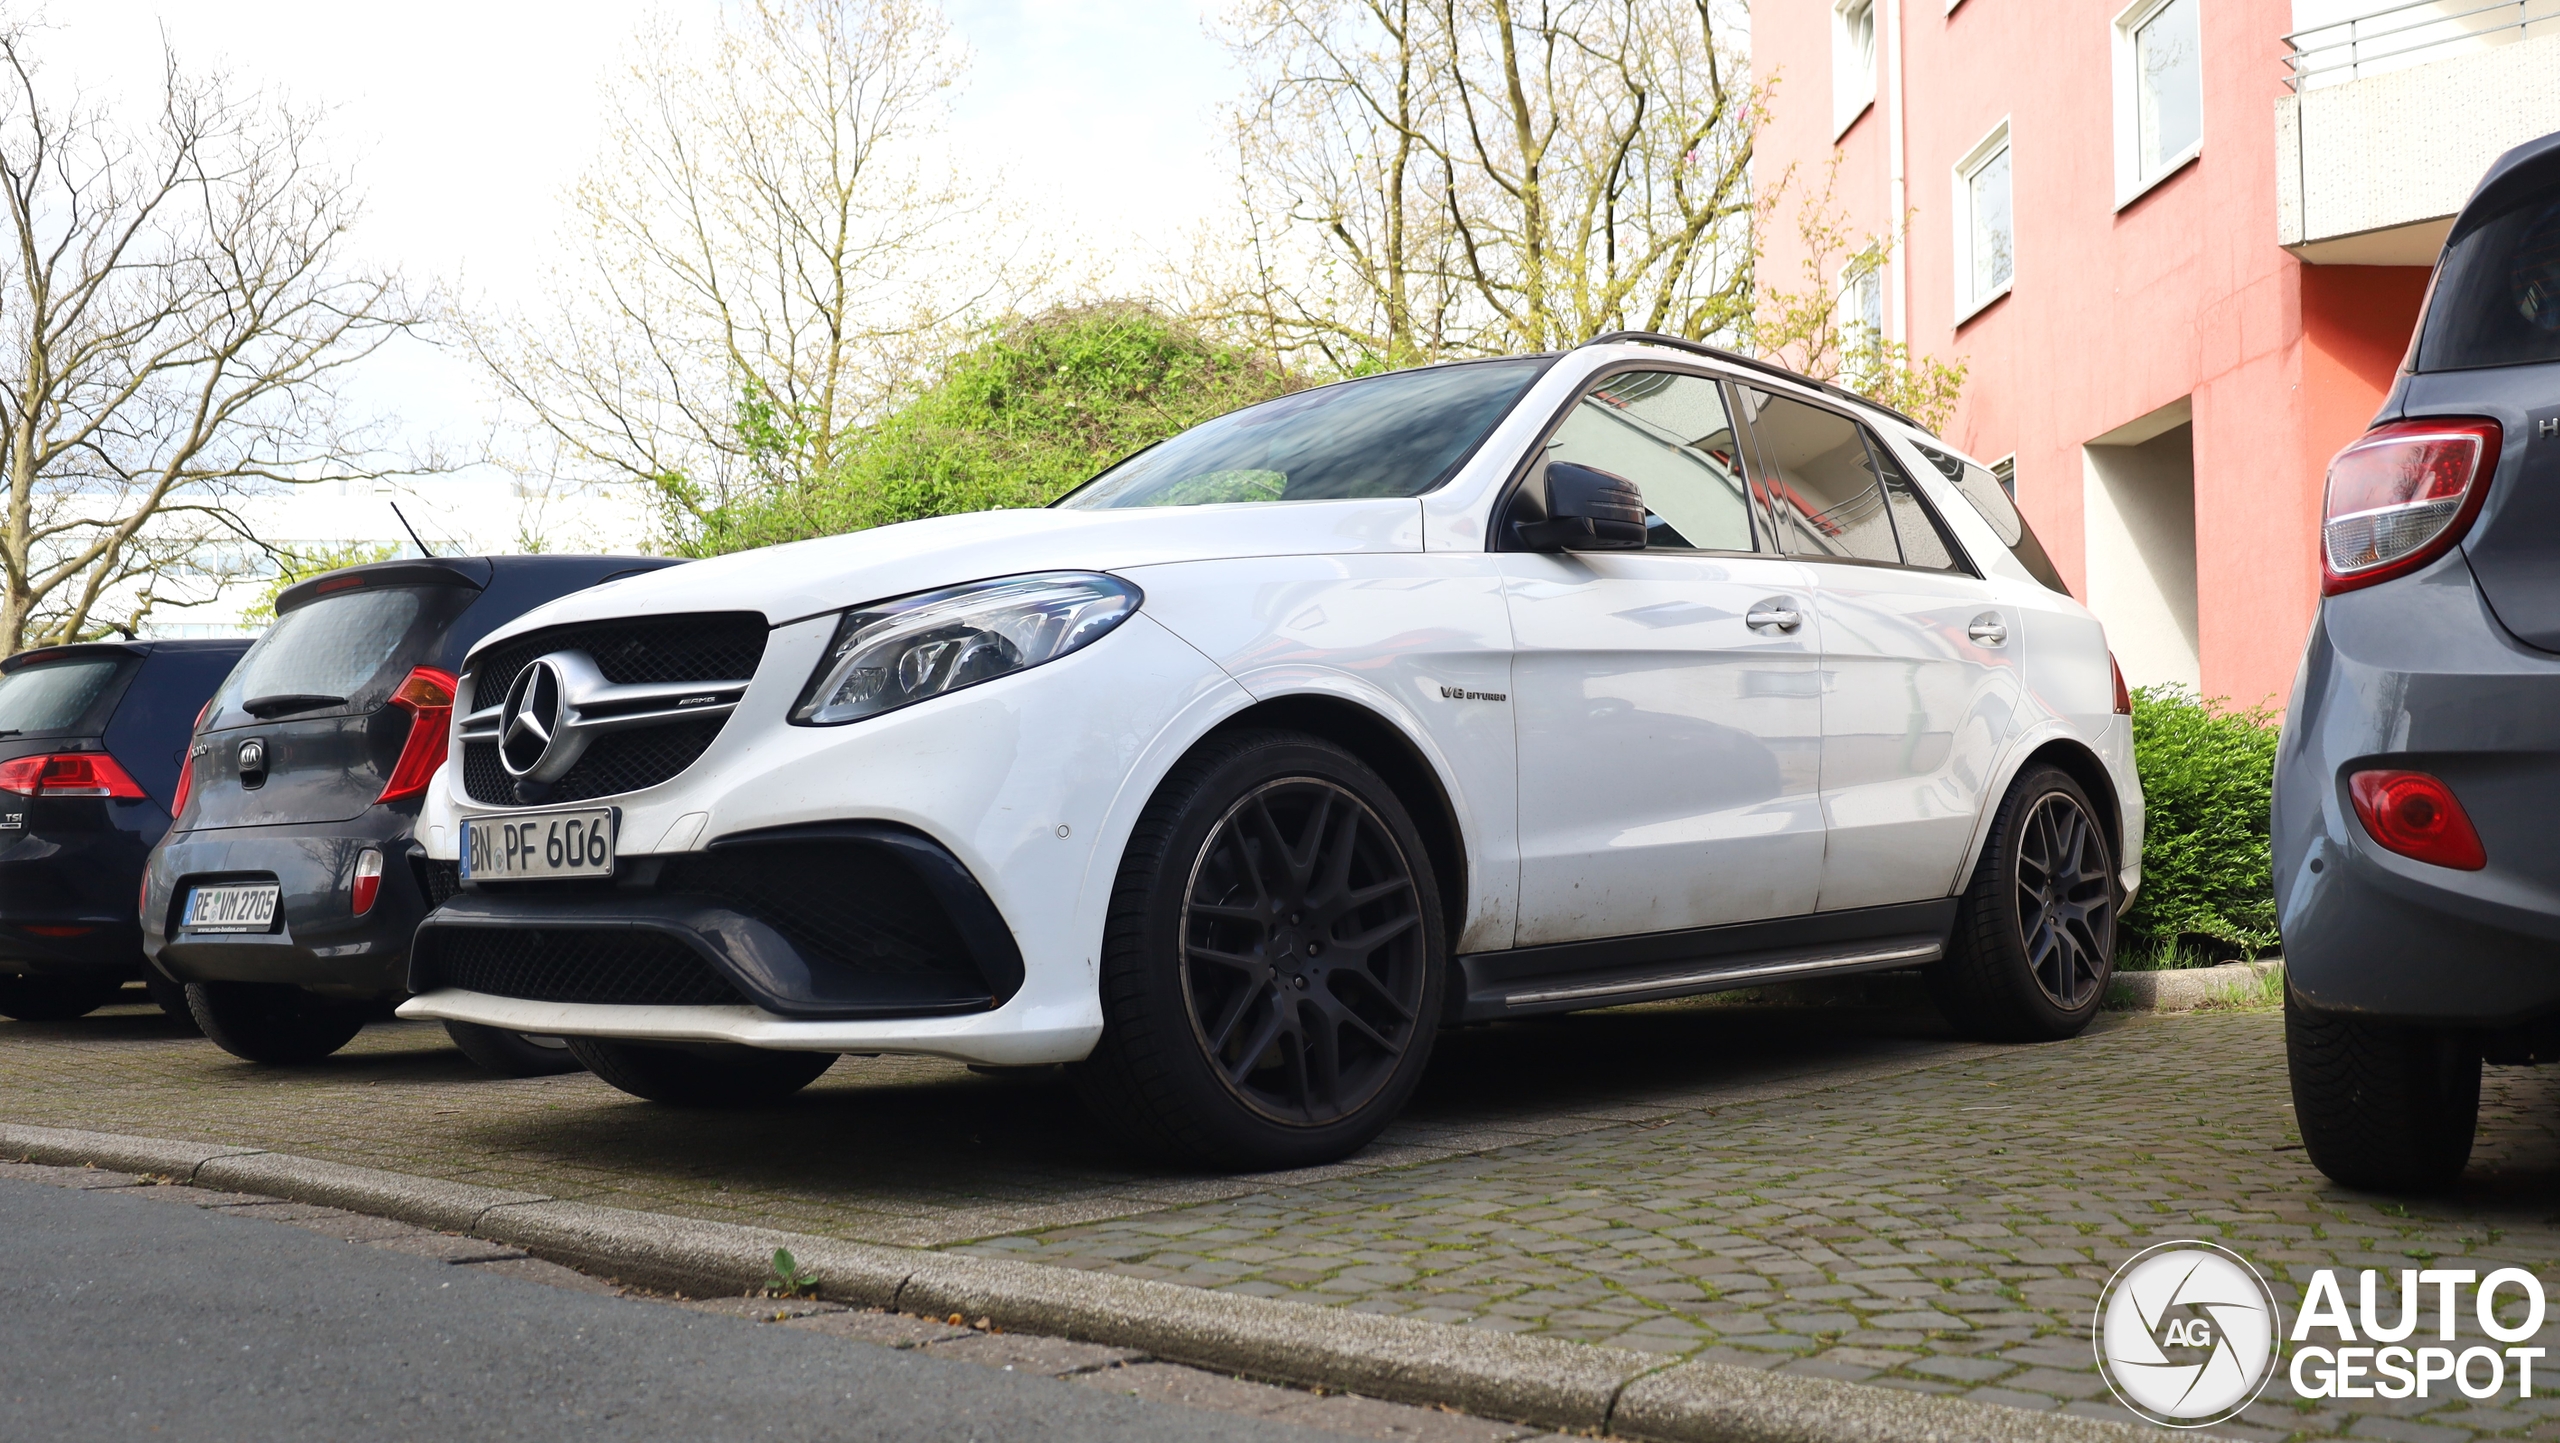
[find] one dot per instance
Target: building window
(1853, 62)
(2159, 93)
(1860, 323)
(2005, 471)
(1985, 228)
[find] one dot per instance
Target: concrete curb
(2186, 988)
(1539, 1381)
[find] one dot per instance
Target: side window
(1817, 481)
(1668, 433)
(1923, 543)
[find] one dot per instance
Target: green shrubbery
(2208, 773)
(1039, 406)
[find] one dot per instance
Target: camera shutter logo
(2186, 1334)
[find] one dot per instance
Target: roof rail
(1772, 368)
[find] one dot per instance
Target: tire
(2383, 1106)
(690, 1076)
(169, 995)
(513, 1054)
(2034, 942)
(54, 999)
(277, 1025)
(1234, 1033)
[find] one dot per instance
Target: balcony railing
(2398, 36)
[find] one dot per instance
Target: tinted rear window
(356, 645)
(2497, 298)
(54, 696)
(1394, 435)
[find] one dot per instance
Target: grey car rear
(2417, 883)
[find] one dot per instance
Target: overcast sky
(465, 121)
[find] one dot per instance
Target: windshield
(1393, 435)
(53, 696)
(332, 647)
(2497, 298)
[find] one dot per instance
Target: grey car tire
(2384, 1106)
(695, 1075)
(513, 1054)
(169, 995)
(277, 1025)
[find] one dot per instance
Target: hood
(808, 578)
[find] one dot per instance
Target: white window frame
(2131, 183)
(1846, 310)
(1968, 305)
(2005, 471)
(1853, 94)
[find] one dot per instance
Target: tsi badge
(2186, 1334)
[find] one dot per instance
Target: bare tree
(758, 248)
(175, 319)
(1429, 177)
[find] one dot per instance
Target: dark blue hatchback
(2417, 867)
(91, 741)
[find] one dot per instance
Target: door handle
(1777, 613)
(1988, 629)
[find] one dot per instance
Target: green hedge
(1037, 406)
(2208, 774)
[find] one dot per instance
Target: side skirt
(1613, 971)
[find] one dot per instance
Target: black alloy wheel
(2033, 946)
(1302, 955)
(278, 1025)
(1273, 965)
(2066, 900)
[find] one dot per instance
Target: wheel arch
(1384, 748)
(2077, 760)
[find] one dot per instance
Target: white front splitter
(971, 1037)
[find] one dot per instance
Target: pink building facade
(2105, 225)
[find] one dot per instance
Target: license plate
(243, 907)
(538, 845)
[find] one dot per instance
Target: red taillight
(2417, 816)
(186, 785)
(2400, 496)
(427, 696)
(53, 931)
(368, 879)
(75, 774)
(2124, 698)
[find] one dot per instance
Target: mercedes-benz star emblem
(531, 720)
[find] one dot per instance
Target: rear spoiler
(73, 649)
(467, 571)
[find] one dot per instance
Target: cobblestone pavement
(1837, 1192)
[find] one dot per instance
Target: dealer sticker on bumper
(538, 845)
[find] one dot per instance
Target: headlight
(897, 653)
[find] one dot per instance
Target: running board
(1612, 972)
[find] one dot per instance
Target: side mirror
(1588, 509)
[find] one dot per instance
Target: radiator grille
(640, 969)
(721, 646)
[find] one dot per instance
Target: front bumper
(1028, 785)
(318, 942)
(2417, 673)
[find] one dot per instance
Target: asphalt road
(123, 1316)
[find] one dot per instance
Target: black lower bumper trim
(851, 921)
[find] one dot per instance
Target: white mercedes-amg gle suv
(1448, 695)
